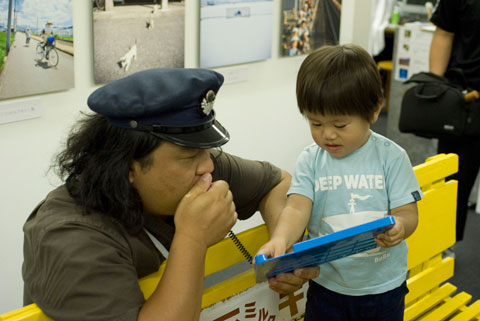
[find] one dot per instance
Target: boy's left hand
(392, 237)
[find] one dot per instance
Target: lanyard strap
(162, 249)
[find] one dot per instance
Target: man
(454, 46)
(49, 29)
(139, 173)
(27, 36)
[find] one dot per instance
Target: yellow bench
(430, 298)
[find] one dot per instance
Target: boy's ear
(376, 113)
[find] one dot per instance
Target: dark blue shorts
(323, 304)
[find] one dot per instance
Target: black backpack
(436, 107)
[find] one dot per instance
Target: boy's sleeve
(303, 178)
(401, 182)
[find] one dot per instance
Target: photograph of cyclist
(39, 48)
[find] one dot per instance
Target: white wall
(260, 114)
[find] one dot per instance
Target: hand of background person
(207, 212)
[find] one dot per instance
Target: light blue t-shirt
(352, 190)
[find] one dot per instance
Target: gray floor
(467, 252)
(467, 258)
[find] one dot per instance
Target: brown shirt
(86, 267)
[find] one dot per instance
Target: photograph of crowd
(309, 24)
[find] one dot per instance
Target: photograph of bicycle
(34, 37)
(46, 50)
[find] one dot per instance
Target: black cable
(240, 246)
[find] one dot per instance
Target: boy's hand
(393, 236)
(273, 248)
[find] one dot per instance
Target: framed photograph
(308, 25)
(134, 35)
(235, 31)
(36, 47)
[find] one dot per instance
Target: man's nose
(206, 163)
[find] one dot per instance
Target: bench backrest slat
(434, 234)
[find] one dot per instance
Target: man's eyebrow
(189, 150)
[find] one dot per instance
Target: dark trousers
(468, 151)
(323, 304)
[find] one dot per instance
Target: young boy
(349, 176)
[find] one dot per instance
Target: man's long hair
(95, 165)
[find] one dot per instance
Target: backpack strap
(426, 77)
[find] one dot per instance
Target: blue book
(323, 249)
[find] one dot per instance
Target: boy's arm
(293, 220)
(290, 226)
(406, 218)
(274, 201)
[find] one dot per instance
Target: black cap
(175, 104)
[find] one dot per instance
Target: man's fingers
(290, 282)
(286, 283)
(202, 185)
(307, 273)
(222, 188)
(283, 288)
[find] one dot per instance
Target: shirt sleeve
(249, 180)
(82, 273)
(303, 177)
(401, 182)
(446, 15)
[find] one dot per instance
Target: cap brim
(214, 136)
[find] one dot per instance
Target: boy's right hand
(273, 248)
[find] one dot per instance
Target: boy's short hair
(339, 80)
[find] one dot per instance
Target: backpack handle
(430, 91)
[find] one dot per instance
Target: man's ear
(134, 165)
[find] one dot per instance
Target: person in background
(28, 35)
(349, 176)
(143, 182)
(294, 43)
(43, 36)
(455, 46)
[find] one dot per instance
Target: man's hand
(287, 283)
(207, 212)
